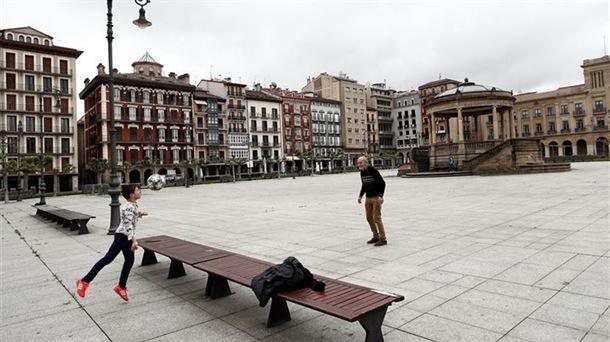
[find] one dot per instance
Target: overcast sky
(515, 45)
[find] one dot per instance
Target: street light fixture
(115, 179)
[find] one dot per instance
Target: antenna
(605, 49)
(211, 66)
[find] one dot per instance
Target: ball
(156, 182)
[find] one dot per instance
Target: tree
(332, 156)
(184, 165)
(233, 162)
(98, 166)
(29, 165)
(126, 167)
(8, 167)
(341, 156)
(310, 157)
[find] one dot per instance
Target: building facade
(265, 127)
(407, 123)
(210, 131)
(379, 98)
(296, 125)
(352, 96)
(570, 120)
(237, 120)
(427, 92)
(152, 115)
(326, 128)
(38, 106)
(370, 137)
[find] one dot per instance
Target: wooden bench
(68, 218)
(340, 299)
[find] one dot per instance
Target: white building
(265, 129)
(407, 123)
(326, 127)
(38, 104)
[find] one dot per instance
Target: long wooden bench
(340, 299)
(67, 218)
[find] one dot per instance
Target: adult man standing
(373, 186)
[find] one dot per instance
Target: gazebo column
(460, 126)
(494, 112)
(433, 132)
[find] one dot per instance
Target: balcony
(580, 129)
(599, 110)
(524, 135)
(539, 133)
(566, 130)
(600, 128)
(37, 68)
(20, 107)
(578, 113)
(234, 106)
(551, 132)
(34, 88)
(236, 117)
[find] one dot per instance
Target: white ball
(156, 182)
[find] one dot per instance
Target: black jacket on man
(372, 182)
(289, 275)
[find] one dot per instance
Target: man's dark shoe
(381, 243)
(373, 240)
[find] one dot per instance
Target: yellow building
(570, 120)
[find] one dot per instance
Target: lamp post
(42, 185)
(5, 172)
(115, 178)
(19, 133)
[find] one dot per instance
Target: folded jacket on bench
(289, 275)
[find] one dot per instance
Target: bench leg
(217, 287)
(176, 269)
(278, 313)
(82, 227)
(148, 258)
(371, 322)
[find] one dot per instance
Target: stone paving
(503, 258)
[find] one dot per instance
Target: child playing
(124, 241)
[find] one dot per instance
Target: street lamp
(115, 179)
(5, 172)
(19, 132)
(42, 185)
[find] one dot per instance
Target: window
(199, 122)
(117, 94)
(65, 145)
(65, 125)
(580, 124)
(162, 156)
(599, 106)
(10, 81)
(187, 117)
(601, 123)
(176, 156)
(10, 60)
(30, 144)
(175, 135)
(538, 128)
(161, 133)
(48, 125)
(29, 83)
(117, 112)
(524, 114)
(550, 111)
(9, 36)
(552, 127)
(146, 114)
(36, 40)
(46, 64)
(30, 124)
(537, 112)
(133, 155)
(563, 109)
(132, 113)
(11, 123)
(161, 114)
(29, 62)
(200, 138)
(63, 86)
(133, 134)
(146, 97)
(63, 67)
(47, 83)
(578, 109)
(159, 98)
(565, 125)
(48, 145)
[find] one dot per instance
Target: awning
(201, 102)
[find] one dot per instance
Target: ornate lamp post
(19, 133)
(115, 178)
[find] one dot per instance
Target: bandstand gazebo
(477, 118)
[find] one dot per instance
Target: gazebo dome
(467, 87)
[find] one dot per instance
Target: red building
(153, 114)
(296, 123)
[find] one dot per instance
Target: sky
(515, 45)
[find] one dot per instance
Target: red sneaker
(81, 287)
(121, 292)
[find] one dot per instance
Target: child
(124, 241)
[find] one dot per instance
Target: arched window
(21, 38)
(9, 36)
(28, 39)
(47, 42)
(36, 41)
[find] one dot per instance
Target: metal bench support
(148, 258)
(278, 313)
(217, 287)
(176, 269)
(371, 322)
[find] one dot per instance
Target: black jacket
(289, 275)
(372, 182)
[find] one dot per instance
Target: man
(451, 162)
(373, 186)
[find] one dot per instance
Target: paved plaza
(503, 258)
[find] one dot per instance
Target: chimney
(186, 78)
(115, 71)
(87, 80)
(101, 70)
(172, 75)
(258, 87)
